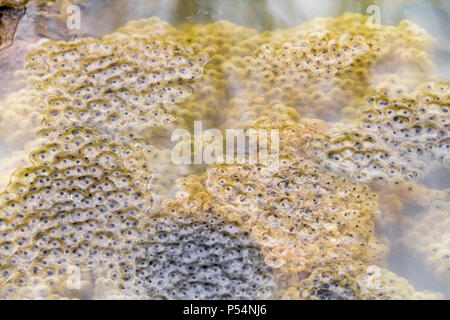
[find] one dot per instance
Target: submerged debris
(10, 14)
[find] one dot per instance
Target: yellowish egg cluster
(304, 218)
(427, 237)
(318, 67)
(78, 206)
(399, 136)
(212, 93)
(315, 69)
(381, 284)
(164, 174)
(416, 123)
(18, 160)
(191, 252)
(12, 11)
(375, 283)
(301, 76)
(19, 119)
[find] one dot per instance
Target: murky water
(94, 205)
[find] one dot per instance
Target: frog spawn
(397, 137)
(78, 206)
(374, 283)
(317, 68)
(304, 218)
(381, 284)
(300, 222)
(398, 49)
(99, 191)
(427, 238)
(120, 83)
(417, 123)
(336, 64)
(18, 119)
(195, 105)
(301, 76)
(223, 42)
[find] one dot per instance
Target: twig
(11, 277)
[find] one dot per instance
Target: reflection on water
(93, 206)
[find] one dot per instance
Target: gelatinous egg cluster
(78, 206)
(398, 135)
(195, 254)
(99, 195)
(304, 218)
(318, 67)
(427, 237)
(376, 283)
(302, 76)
